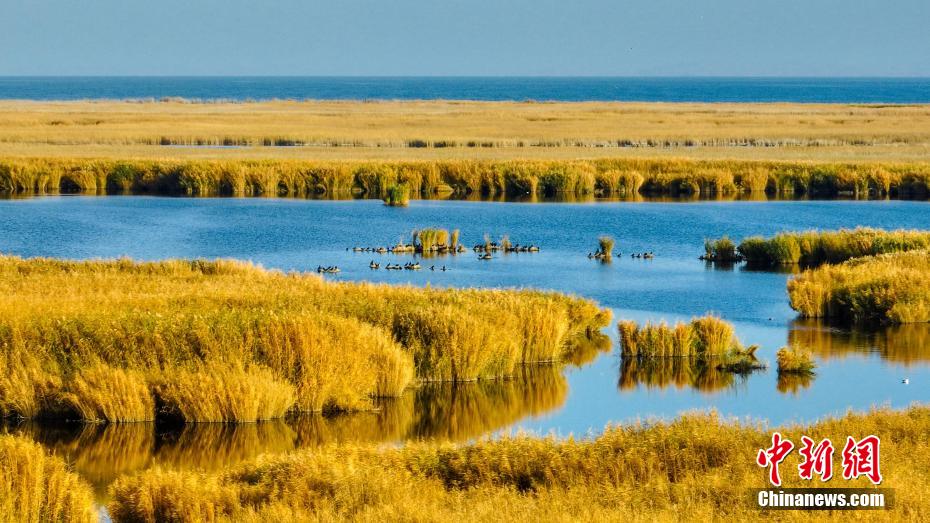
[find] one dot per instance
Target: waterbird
(443, 268)
(905, 381)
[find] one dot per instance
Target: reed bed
(605, 248)
(101, 453)
(708, 336)
(432, 240)
(703, 354)
(887, 289)
(627, 177)
(812, 248)
(456, 124)
(696, 466)
(36, 487)
(228, 341)
(795, 360)
(722, 250)
(397, 195)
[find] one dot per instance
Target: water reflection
(585, 349)
(902, 344)
(476, 196)
(793, 383)
(658, 373)
(101, 453)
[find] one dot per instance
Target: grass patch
(793, 360)
(702, 337)
(886, 289)
(703, 354)
(605, 248)
(398, 181)
(694, 465)
(813, 248)
(287, 341)
(397, 195)
(36, 487)
(720, 251)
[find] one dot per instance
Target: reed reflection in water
(907, 344)
(793, 383)
(102, 452)
(700, 374)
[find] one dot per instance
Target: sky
(473, 37)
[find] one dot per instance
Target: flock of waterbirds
(644, 255)
(485, 251)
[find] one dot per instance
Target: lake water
(857, 369)
(648, 89)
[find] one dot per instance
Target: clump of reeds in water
(705, 336)
(722, 250)
(885, 289)
(436, 241)
(707, 339)
(397, 195)
(605, 248)
(818, 247)
(795, 360)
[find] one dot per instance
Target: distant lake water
(646, 89)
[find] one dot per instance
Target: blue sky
(458, 37)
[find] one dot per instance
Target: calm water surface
(857, 369)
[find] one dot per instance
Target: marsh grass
(794, 360)
(697, 465)
(721, 251)
(286, 341)
(36, 487)
(397, 195)
(813, 248)
(447, 124)
(429, 240)
(398, 181)
(703, 354)
(109, 394)
(887, 289)
(605, 248)
(707, 336)
(214, 392)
